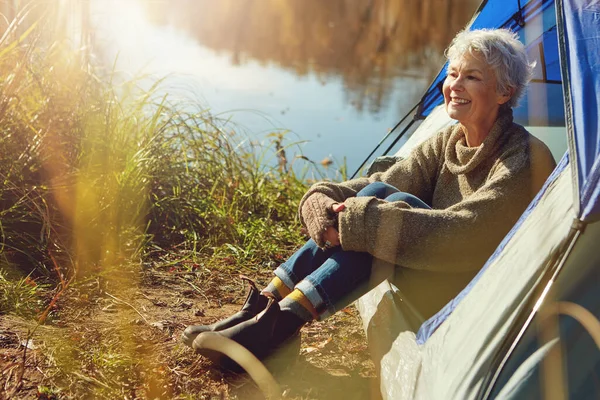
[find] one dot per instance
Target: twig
(41, 372)
(197, 289)
(58, 271)
(248, 361)
(126, 303)
(63, 287)
(146, 296)
(177, 372)
(91, 380)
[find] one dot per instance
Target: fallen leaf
(309, 350)
(28, 343)
(158, 324)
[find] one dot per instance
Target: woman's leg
(412, 201)
(332, 278)
(310, 257)
(323, 281)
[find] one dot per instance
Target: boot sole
(278, 360)
(188, 340)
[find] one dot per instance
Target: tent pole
(399, 136)
(576, 230)
(384, 138)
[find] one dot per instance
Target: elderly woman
(436, 215)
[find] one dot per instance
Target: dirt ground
(119, 337)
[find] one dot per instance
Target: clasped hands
(319, 215)
(331, 236)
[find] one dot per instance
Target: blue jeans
(333, 278)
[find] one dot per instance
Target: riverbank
(124, 217)
(107, 344)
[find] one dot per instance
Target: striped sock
(297, 303)
(277, 288)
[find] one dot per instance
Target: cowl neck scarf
(462, 159)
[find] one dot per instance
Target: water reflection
(368, 43)
(336, 73)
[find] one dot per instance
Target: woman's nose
(456, 84)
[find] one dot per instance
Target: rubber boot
(272, 333)
(254, 303)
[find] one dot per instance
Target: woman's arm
(415, 174)
(459, 238)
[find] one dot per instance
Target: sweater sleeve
(415, 174)
(457, 239)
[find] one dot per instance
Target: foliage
(97, 173)
(97, 176)
(20, 296)
(212, 189)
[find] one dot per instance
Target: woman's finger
(338, 207)
(332, 236)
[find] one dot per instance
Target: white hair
(502, 51)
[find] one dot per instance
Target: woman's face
(470, 93)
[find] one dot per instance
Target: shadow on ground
(304, 380)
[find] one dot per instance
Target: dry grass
(107, 343)
(124, 218)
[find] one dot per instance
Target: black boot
(270, 331)
(255, 303)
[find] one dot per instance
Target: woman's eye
(472, 78)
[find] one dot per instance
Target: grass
(96, 172)
(20, 295)
(100, 178)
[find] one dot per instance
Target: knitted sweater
(476, 194)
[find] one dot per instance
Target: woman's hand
(316, 216)
(331, 236)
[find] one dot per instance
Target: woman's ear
(505, 97)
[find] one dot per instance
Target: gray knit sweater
(476, 195)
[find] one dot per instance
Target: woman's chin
(454, 114)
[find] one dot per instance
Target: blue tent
(579, 48)
(563, 37)
(580, 45)
(577, 69)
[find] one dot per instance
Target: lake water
(335, 75)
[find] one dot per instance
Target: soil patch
(121, 339)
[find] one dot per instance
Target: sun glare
(122, 25)
(126, 35)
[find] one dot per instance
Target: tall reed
(97, 176)
(96, 173)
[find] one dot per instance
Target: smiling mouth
(460, 101)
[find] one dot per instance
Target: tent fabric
(579, 44)
(505, 14)
(542, 104)
(438, 121)
(429, 326)
(520, 381)
(577, 287)
(453, 362)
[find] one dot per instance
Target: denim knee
(377, 189)
(412, 201)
